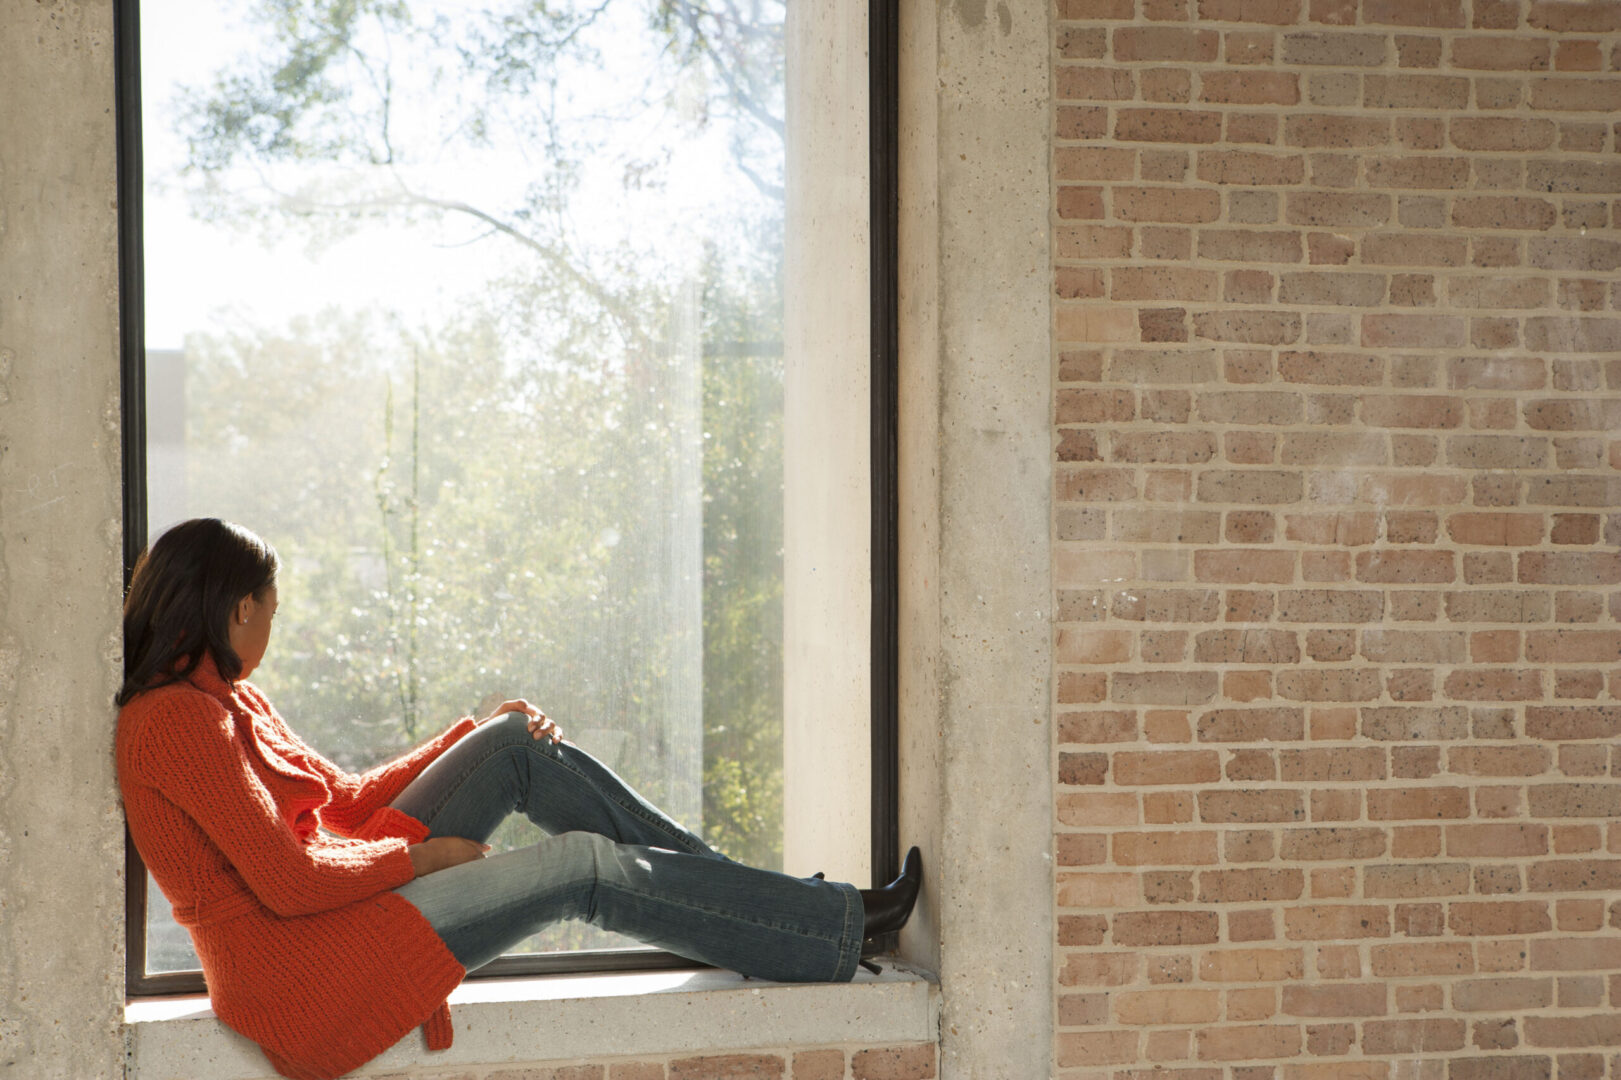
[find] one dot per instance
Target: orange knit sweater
(305, 949)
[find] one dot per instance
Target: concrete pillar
(976, 484)
(61, 833)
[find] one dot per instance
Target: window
(476, 311)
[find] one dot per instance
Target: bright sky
(198, 274)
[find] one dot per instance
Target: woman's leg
(500, 769)
(615, 861)
(718, 912)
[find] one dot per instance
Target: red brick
(1502, 995)
(1437, 13)
(655, 1071)
(1138, 366)
(1090, 485)
(1251, 725)
(1333, 209)
(1570, 568)
(1274, 12)
(1503, 212)
(1566, 94)
(1574, 875)
(1329, 684)
(1413, 249)
(1412, 1036)
(1093, 82)
(1180, 767)
(1383, 645)
(1582, 16)
(1331, 368)
(1394, 566)
(1336, 764)
(1250, 245)
(1336, 922)
(1334, 48)
(1153, 928)
(1164, 848)
(1511, 530)
(1498, 53)
(1249, 486)
(903, 1063)
(1498, 760)
(1575, 800)
(1414, 332)
(1092, 242)
(1240, 1043)
(1416, 880)
(1560, 723)
(1165, 43)
(1094, 1048)
(1250, 87)
(1246, 647)
(814, 1065)
(1250, 806)
(1344, 999)
(1093, 163)
(1498, 918)
(1498, 133)
(1249, 886)
(1320, 131)
(1333, 844)
(1418, 803)
(1253, 327)
(1250, 167)
(1167, 125)
(1169, 204)
(725, 1067)
(1422, 958)
(1573, 646)
(1415, 92)
(1492, 684)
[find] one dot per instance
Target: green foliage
(521, 500)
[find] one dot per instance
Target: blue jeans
(612, 860)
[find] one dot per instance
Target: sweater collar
(206, 677)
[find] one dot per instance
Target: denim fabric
(613, 860)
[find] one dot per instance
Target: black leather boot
(887, 908)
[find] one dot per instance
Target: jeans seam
(836, 940)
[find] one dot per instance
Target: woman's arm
(186, 751)
(357, 797)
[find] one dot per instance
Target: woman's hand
(442, 852)
(540, 725)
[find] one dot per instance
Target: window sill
(565, 1018)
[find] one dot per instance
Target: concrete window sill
(564, 1018)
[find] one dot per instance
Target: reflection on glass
(473, 309)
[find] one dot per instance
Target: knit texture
(305, 949)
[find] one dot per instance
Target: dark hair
(185, 586)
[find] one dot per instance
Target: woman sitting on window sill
(333, 912)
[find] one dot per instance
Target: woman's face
(250, 628)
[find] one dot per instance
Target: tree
(429, 556)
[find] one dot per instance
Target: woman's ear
(243, 610)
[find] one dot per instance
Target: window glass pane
(473, 309)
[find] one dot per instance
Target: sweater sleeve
(189, 755)
(356, 798)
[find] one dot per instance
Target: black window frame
(883, 100)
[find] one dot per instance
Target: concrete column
(976, 480)
(61, 833)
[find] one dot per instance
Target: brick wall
(1338, 651)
